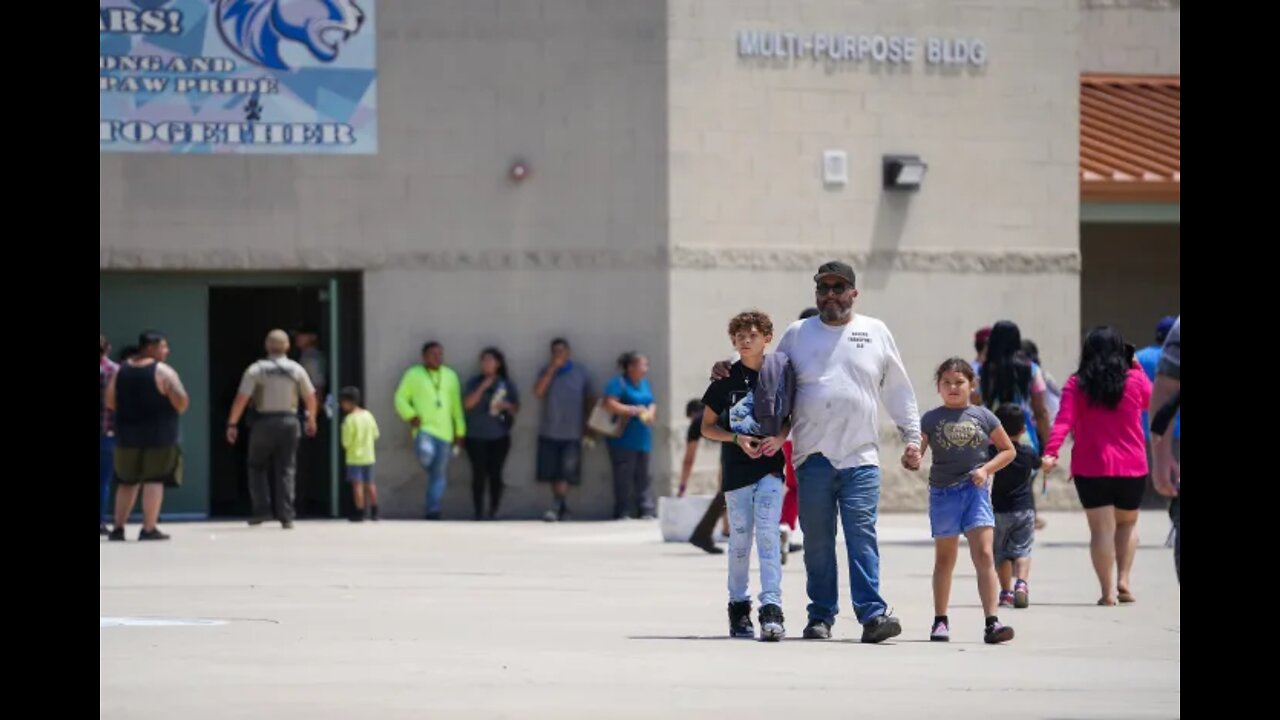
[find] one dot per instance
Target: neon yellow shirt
(359, 433)
(435, 398)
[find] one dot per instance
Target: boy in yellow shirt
(359, 433)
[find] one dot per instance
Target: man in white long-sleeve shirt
(843, 363)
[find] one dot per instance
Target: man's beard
(834, 311)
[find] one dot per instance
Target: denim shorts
(1015, 532)
(960, 508)
(360, 474)
(559, 460)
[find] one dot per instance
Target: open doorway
(239, 320)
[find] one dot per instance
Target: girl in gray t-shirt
(960, 493)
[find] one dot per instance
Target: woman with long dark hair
(1102, 406)
(628, 394)
(1009, 376)
(491, 402)
(1053, 389)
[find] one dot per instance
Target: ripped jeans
(756, 508)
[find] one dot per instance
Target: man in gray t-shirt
(565, 389)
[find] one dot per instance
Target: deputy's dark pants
(273, 454)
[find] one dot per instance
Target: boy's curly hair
(751, 319)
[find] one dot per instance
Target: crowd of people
(800, 434)
(1001, 419)
(277, 401)
(447, 416)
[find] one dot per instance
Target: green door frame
(334, 419)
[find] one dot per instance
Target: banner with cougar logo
(237, 76)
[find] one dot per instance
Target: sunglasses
(836, 289)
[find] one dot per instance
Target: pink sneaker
(1021, 594)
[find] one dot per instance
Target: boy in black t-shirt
(751, 472)
(1014, 505)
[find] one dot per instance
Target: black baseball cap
(836, 268)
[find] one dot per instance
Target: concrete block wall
(673, 184)
(1131, 37)
(992, 234)
(450, 248)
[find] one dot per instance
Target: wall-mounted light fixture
(903, 172)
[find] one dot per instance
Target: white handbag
(605, 423)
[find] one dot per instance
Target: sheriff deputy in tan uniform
(274, 385)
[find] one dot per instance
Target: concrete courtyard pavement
(599, 620)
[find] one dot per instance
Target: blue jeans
(757, 506)
(106, 471)
(855, 493)
(433, 456)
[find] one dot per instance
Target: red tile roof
(1130, 138)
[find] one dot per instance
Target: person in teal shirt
(628, 395)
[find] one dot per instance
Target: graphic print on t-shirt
(861, 338)
(964, 433)
(741, 413)
(731, 400)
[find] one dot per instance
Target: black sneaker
(817, 630)
(373, 512)
(151, 535)
(771, 628)
(740, 620)
(286, 524)
(255, 522)
(997, 633)
(706, 545)
(881, 628)
(356, 516)
(102, 530)
(431, 516)
(116, 535)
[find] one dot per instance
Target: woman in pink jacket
(1102, 408)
